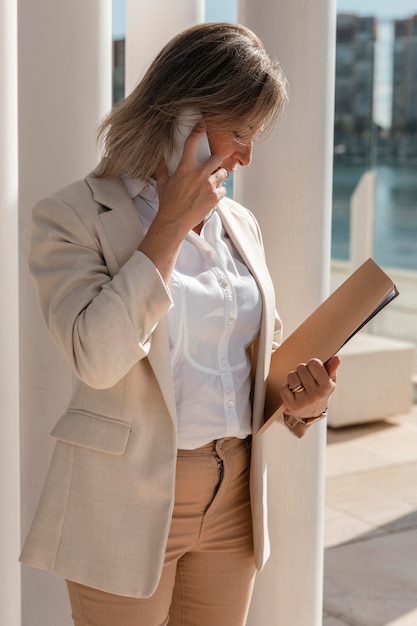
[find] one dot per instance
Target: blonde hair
(219, 69)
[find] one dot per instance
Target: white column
(288, 186)
(64, 90)
(150, 25)
(10, 589)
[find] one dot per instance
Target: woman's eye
(244, 138)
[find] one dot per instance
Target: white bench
(374, 380)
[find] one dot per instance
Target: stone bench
(374, 380)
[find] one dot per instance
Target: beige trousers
(209, 569)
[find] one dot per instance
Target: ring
(297, 389)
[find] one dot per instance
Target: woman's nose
(244, 154)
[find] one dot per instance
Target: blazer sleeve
(103, 324)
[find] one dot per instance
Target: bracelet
(306, 421)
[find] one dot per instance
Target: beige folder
(366, 292)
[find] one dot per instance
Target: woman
(156, 298)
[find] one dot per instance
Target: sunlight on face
(234, 146)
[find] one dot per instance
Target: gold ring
(297, 389)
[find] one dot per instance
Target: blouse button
(230, 403)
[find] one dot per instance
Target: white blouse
(215, 318)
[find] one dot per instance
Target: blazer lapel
(120, 222)
(238, 233)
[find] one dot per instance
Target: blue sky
(119, 19)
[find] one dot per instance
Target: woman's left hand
(309, 387)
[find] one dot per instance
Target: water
(395, 235)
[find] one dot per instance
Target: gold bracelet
(306, 421)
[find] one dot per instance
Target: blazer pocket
(96, 432)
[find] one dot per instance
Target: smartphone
(184, 126)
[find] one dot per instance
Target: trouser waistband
(226, 443)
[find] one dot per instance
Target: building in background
(404, 100)
(354, 89)
(376, 70)
(118, 69)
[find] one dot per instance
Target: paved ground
(370, 574)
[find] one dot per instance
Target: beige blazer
(105, 510)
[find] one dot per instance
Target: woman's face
(231, 146)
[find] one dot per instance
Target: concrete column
(10, 590)
(288, 186)
(150, 25)
(64, 90)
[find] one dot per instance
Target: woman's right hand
(188, 195)
(185, 199)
